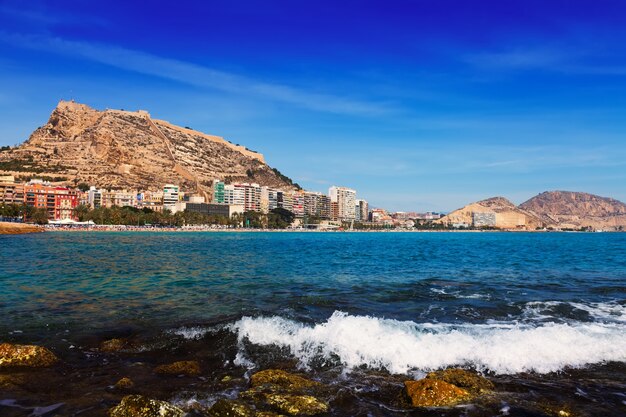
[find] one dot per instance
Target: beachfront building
(246, 195)
(59, 202)
(152, 200)
(483, 219)
(380, 216)
(252, 197)
(269, 199)
(171, 196)
(215, 209)
(297, 206)
(218, 192)
(119, 198)
(285, 200)
(316, 205)
(234, 195)
(11, 192)
(94, 197)
(345, 198)
(361, 211)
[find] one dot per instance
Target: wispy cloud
(579, 61)
(196, 75)
(519, 59)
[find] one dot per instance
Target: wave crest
(406, 346)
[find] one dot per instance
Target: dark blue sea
(541, 314)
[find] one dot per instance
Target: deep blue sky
(419, 105)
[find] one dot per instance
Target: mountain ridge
(129, 149)
(549, 209)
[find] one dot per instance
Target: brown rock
(434, 393)
(283, 379)
(189, 368)
(124, 383)
(297, 405)
(140, 406)
(467, 380)
(11, 381)
(25, 355)
(230, 408)
(114, 345)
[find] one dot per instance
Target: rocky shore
(187, 388)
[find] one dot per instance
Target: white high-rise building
(247, 195)
(171, 196)
(346, 201)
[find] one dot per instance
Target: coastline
(8, 228)
(144, 229)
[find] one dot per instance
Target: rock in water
(25, 355)
(467, 380)
(297, 405)
(140, 406)
(434, 393)
(230, 408)
(189, 368)
(124, 383)
(283, 379)
(114, 345)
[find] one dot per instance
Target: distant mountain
(129, 149)
(504, 215)
(566, 209)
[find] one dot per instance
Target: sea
(542, 315)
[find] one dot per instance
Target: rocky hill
(496, 212)
(129, 149)
(566, 209)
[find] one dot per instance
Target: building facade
(346, 202)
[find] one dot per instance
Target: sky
(419, 105)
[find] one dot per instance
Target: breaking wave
(406, 346)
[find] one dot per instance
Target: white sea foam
(191, 333)
(608, 312)
(405, 346)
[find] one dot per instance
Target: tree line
(130, 216)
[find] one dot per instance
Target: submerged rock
(230, 408)
(467, 380)
(434, 393)
(26, 355)
(114, 345)
(297, 405)
(124, 383)
(189, 368)
(140, 406)
(283, 379)
(11, 382)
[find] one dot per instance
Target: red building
(60, 202)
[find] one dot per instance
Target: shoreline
(9, 228)
(143, 229)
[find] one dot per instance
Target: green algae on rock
(283, 379)
(25, 356)
(189, 368)
(297, 405)
(469, 381)
(434, 393)
(140, 406)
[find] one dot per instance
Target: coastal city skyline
(521, 106)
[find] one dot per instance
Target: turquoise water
(106, 279)
(502, 303)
